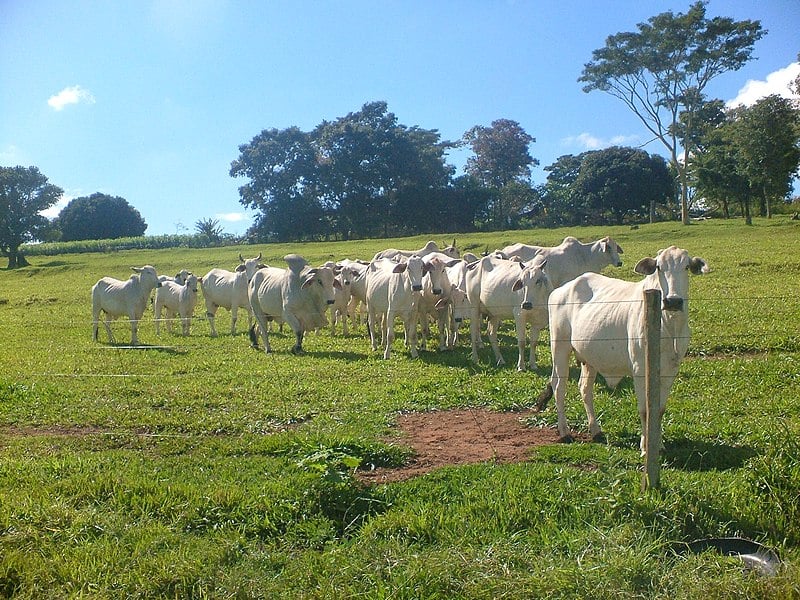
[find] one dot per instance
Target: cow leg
(134, 330)
(410, 324)
(388, 333)
(475, 334)
(170, 317)
(586, 384)
(234, 316)
(534, 339)
(371, 326)
(442, 317)
(558, 381)
(107, 323)
(157, 312)
(211, 311)
(493, 327)
(521, 328)
(298, 347)
(186, 323)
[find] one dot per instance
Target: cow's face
(435, 269)
(458, 299)
(415, 270)
(250, 265)
(148, 275)
(321, 281)
(611, 249)
(671, 268)
(535, 286)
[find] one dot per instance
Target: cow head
(249, 265)
(416, 269)
(611, 249)
(435, 270)
(322, 281)
(669, 271)
(147, 275)
(535, 285)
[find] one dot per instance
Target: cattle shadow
(697, 455)
(172, 350)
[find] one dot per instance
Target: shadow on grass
(696, 455)
(150, 347)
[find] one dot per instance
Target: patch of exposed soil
(460, 437)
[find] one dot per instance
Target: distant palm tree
(210, 228)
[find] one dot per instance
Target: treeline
(365, 175)
(149, 242)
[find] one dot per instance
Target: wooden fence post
(652, 332)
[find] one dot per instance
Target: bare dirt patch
(460, 437)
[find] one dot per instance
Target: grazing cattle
(508, 289)
(116, 298)
(299, 295)
(449, 251)
(601, 320)
(570, 258)
(228, 289)
(393, 290)
(176, 298)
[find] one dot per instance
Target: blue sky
(150, 99)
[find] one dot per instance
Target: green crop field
(197, 467)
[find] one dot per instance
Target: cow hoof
(297, 350)
(599, 438)
(567, 439)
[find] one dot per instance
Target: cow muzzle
(527, 305)
(416, 288)
(330, 301)
(673, 303)
(437, 292)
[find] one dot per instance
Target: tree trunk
(16, 259)
(748, 219)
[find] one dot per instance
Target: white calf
(175, 298)
(116, 298)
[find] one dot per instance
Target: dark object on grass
(755, 557)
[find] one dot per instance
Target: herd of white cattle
(600, 319)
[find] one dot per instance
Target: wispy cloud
(234, 217)
(70, 95)
(587, 141)
(52, 212)
(776, 82)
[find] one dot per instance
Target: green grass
(203, 468)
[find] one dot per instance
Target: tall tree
(662, 70)
(767, 136)
(284, 183)
(618, 183)
(560, 198)
(24, 194)
(502, 158)
(99, 217)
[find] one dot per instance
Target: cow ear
(240, 268)
(517, 285)
(442, 303)
(426, 268)
(337, 284)
(646, 266)
(400, 268)
(619, 249)
(698, 266)
(137, 269)
(308, 280)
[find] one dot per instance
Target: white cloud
(587, 141)
(52, 212)
(776, 82)
(10, 156)
(234, 217)
(70, 95)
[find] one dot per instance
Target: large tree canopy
(99, 217)
(346, 176)
(662, 70)
(24, 193)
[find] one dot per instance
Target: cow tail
(544, 397)
(253, 335)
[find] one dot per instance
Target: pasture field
(200, 468)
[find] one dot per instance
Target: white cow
(508, 289)
(601, 320)
(358, 289)
(229, 290)
(176, 298)
(342, 295)
(449, 251)
(299, 296)
(458, 306)
(435, 297)
(393, 290)
(116, 298)
(570, 258)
